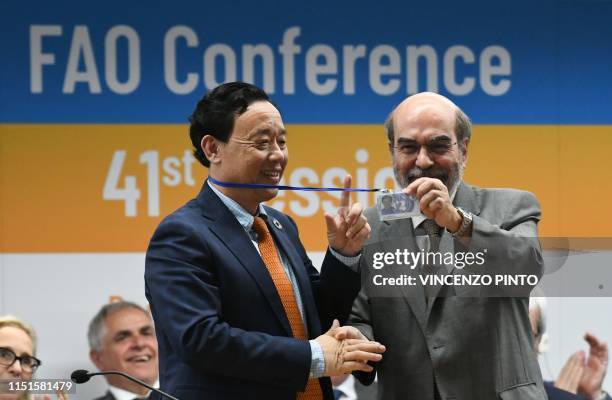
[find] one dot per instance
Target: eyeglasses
(436, 147)
(8, 358)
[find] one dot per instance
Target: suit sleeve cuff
(351, 262)
(317, 363)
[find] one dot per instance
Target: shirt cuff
(317, 363)
(351, 262)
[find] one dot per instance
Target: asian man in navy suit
(240, 312)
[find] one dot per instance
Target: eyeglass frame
(20, 358)
(431, 154)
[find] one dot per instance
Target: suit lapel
(467, 199)
(399, 234)
(446, 246)
(229, 231)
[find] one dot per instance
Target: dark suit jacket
(473, 346)
(220, 324)
(107, 396)
(559, 394)
(554, 393)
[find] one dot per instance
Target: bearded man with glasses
(449, 341)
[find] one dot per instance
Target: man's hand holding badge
(396, 205)
(435, 202)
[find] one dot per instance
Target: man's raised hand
(349, 228)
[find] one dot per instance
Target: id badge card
(396, 205)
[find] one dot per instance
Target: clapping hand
(595, 367)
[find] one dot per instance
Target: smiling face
(427, 122)
(129, 346)
(256, 152)
(20, 343)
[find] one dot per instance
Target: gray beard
(450, 180)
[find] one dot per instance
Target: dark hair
(463, 127)
(216, 112)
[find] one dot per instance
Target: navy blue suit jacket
(554, 393)
(220, 324)
(559, 394)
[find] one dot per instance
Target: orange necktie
(270, 257)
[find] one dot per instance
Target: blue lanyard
(284, 187)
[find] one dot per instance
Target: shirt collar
(122, 394)
(347, 387)
(245, 219)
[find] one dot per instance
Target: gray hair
(97, 326)
(463, 127)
